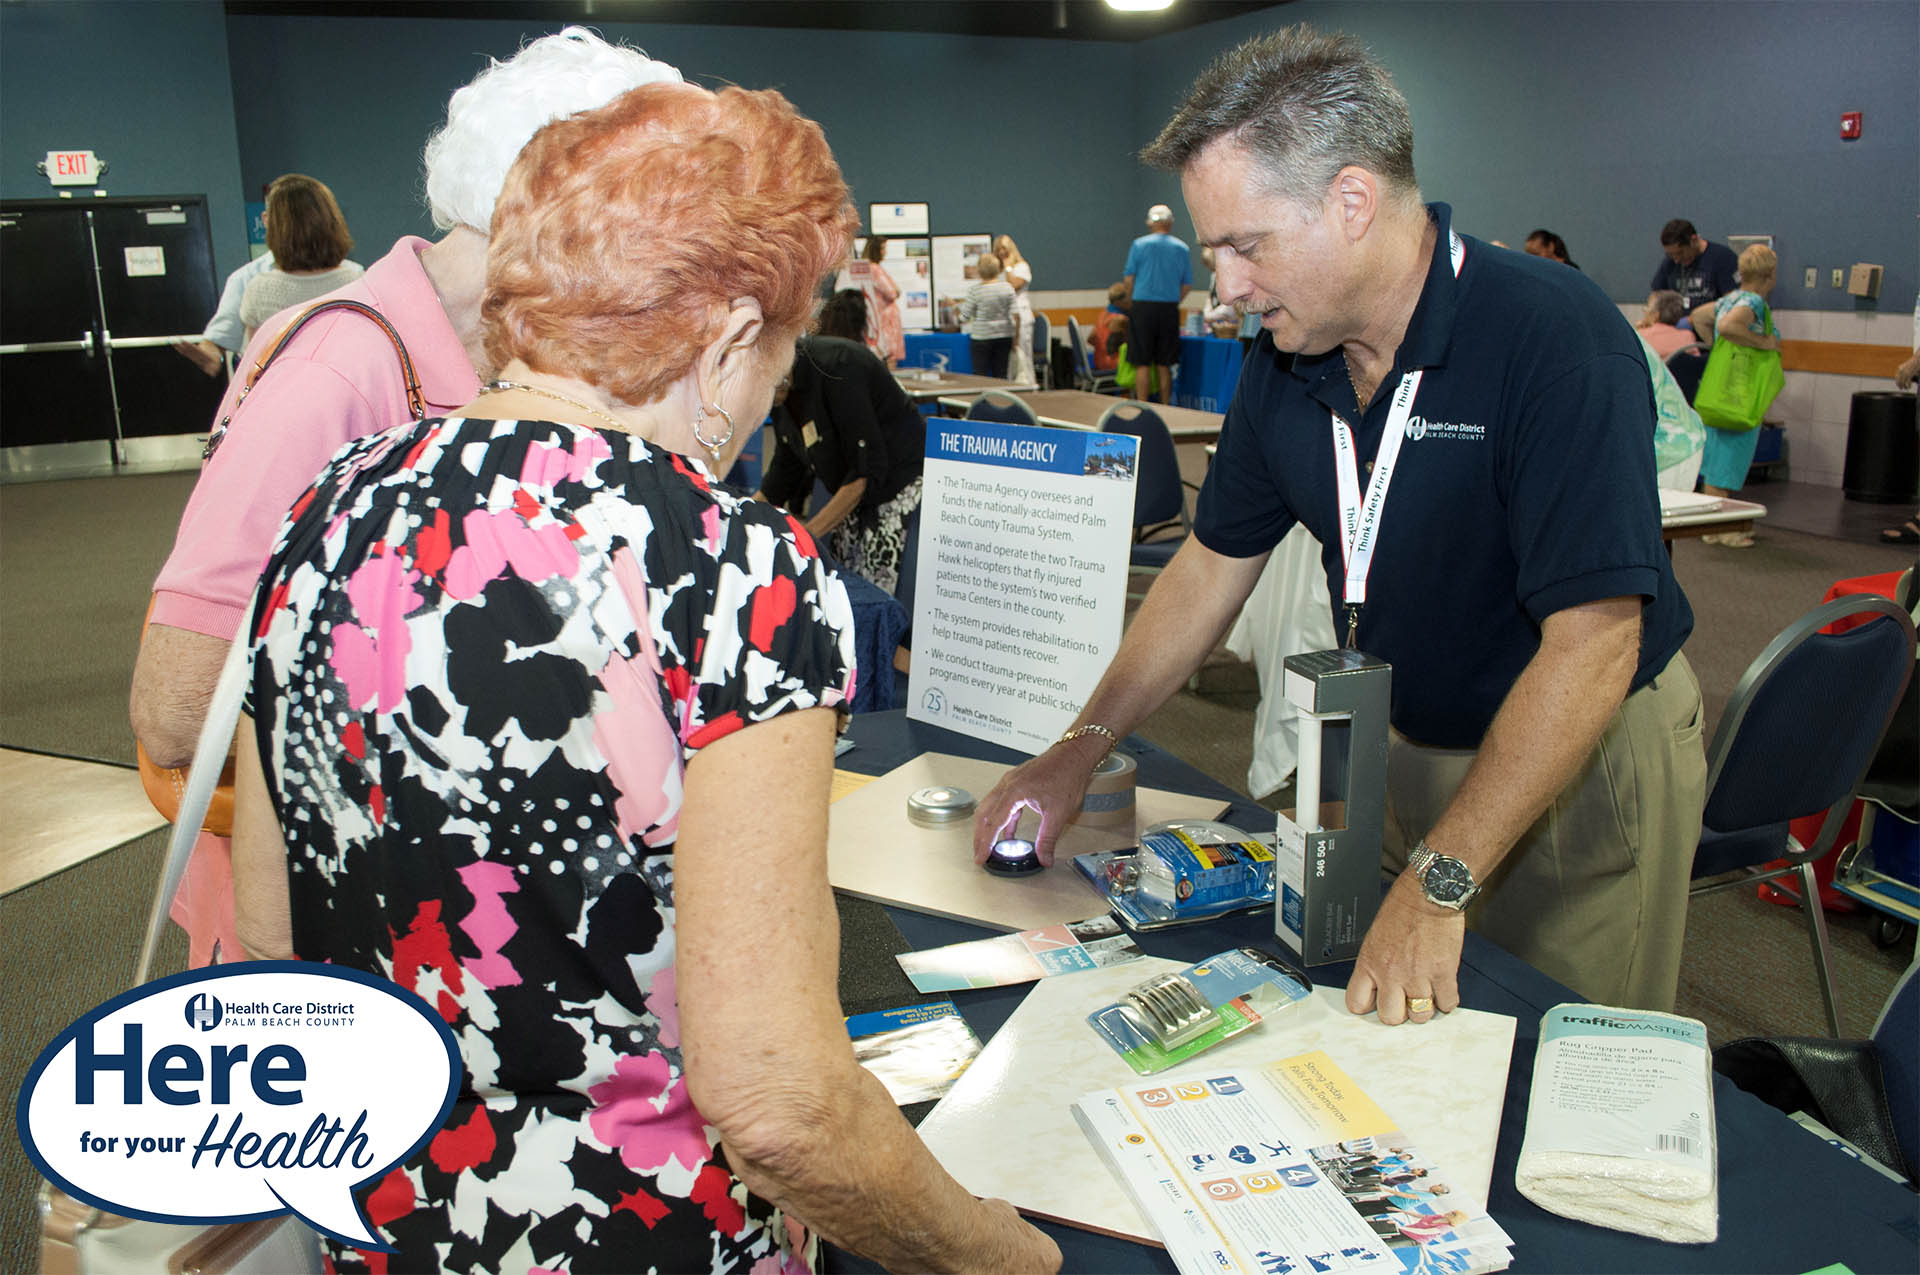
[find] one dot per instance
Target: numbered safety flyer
(1285, 1168)
(1024, 540)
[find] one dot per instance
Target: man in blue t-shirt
(1545, 770)
(1160, 273)
(1699, 271)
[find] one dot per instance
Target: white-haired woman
(341, 379)
(1740, 317)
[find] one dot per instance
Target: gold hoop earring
(713, 445)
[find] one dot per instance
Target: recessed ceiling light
(1139, 6)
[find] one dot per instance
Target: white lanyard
(1360, 523)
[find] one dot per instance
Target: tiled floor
(61, 811)
(1823, 511)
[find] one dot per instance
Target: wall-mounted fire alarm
(1850, 126)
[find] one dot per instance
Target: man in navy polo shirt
(1479, 420)
(1699, 271)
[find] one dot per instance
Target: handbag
(77, 1238)
(1739, 383)
(165, 784)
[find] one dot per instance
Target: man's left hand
(1409, 964)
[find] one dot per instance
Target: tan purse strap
(416, 400)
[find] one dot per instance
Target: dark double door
(95, 289)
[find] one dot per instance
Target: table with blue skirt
(922, 347)
(1209, 369)
(1788, 1201)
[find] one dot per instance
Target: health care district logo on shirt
(1419, 427)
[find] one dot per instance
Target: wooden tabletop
(920, 382)
(1077, 409)
(1729, 515)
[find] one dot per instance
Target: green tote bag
(1739, 383)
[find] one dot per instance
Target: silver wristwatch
(1444, 880)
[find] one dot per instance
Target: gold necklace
(1359, 397)
(502, 387)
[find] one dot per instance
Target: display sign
(954, 261)
(1024, 536)
(72, 168)
(908, 263)
(899, 219)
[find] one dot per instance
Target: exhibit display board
(909, 263)
(954, 257)
(1024, 540)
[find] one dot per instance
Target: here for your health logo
(238, 1092)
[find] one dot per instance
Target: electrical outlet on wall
(1813, 277)
(1839, 278)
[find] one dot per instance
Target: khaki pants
(1595, 892)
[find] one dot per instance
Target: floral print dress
(483, 653)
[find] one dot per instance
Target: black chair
(1042, 350)
(1159, 497)
(1095, 382)
(1001, 407)
(1687, 364)
(1796, 738)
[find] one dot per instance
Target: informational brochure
(1024, 536)
(1285, 1168)
(917, 1051)
(1021, 958)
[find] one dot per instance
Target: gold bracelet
(1092, 728)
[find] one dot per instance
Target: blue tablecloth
(878, 623)
(1209, 369)
(922, 346)
(1788, 1201)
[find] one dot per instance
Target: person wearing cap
(1465, 431)
(1160, 274)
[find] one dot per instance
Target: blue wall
(1602, 120)
(1599, 120)
(144, 85)
(904, 114)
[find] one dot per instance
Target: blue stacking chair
(1688, 364)
(1159, 497)
(1001, 407)
(1042, 351)
(1796, 739)
(1897, 1040)
(1096, 382)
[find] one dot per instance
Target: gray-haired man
(1546, 774)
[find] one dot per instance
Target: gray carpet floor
(77, 560)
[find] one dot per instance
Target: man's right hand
(1052, 785)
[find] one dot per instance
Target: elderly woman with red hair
(541, 723)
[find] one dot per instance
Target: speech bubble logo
(240, 1092)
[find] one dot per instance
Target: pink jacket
(338, 381)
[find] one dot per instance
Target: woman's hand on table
(1014, 1244)
(1052, 786)
(1411, 954)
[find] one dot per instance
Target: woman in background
(842, 420)
(1742, 318)
(1659, 323)
(883, 334)
(1018, 274)
(988, 313)
(548, 714)
(309, 241)
(1544, 243)
(844, 316)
